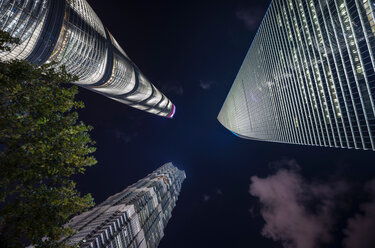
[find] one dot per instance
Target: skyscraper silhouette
(69, 33)
(134, 217)
(308, 77)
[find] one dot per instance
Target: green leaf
(43, 146)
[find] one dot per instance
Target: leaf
(42, 146)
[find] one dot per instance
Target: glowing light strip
(235, 134)
(173, 112)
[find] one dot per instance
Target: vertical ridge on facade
(308, 77)
(69, 33)
(134, 217)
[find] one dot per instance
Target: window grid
(308, 77)
(69, 33)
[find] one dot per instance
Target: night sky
(300, 196)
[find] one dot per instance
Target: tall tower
(134, 217)
(308, 77)
(69, 33)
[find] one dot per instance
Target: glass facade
(69, 33)
(308, 77)
(134, 217)
(24, 20)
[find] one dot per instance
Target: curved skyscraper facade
(69, 33)
(308, 77)
(135, 217)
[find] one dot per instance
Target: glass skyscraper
(134, 217)
(308, 77)
(69, 33)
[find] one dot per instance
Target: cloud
(206, 85)
(360, 229)
(298, 213)
(250, 16)
(206, 198)
(125, 138)
(173, 88)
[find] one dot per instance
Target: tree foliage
(42, 145)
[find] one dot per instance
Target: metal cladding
(308, 77)
(134, 217)
(69, 33)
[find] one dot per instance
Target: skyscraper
(69, 33)
(308, 77)
(134, 217)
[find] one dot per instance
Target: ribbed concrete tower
(134, 217)
(308, 77)
(69, 33)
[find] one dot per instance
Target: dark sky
(192, 51)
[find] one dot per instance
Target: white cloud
(173, 88)
(206, 85)
(361, 228)
(296, 212)
(206, 198)
(251, 17)
(123, 137)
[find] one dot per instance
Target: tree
(42, 145)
